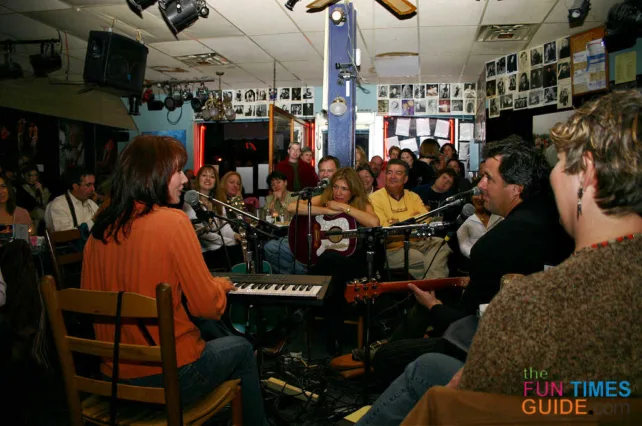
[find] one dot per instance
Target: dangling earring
(580, 193)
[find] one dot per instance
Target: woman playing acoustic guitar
(345, 195)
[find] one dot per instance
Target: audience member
(367, 178)
(75, 206)
(475, 226)
(299, 173)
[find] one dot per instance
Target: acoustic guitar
(358, 291)
(321, 242)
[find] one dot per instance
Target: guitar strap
(71, 209)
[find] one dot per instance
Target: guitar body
(298, 236)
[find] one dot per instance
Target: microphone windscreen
(192, 198)
(476, 191)
(468, 210)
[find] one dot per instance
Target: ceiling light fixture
(218, 107)
(578, 12)
(338, 16)
(180, 14)
(174, 99)
(338, 106)
(141, 5)
(290, 4)
(200, 99)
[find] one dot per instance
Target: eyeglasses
(400, 209)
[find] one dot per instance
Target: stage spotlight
(290, 4)
(173, 101)
(45, 62)
(180, 14)
(338, 16)
(141, 5)
(578, 12)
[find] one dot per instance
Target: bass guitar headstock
(361, 290)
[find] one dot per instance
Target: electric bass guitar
(322, 224)
(358, 291)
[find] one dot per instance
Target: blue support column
(342, 41)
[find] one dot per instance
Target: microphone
(192, 198)
(323, 183)
(467, 211)
(470, 192)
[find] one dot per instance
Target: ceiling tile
(446, 40)
(442, 65)
(215, 25)
(517, 11)
(289, 83)
(317, 39)
(34, 5)
(371, 14)
(598, 12)
(497, 48)
(74, 21)
(265, 71)
(549, 32)
(73, 43)
(476, 63)
(304, 20)
(301, 67)
(22, 27)
(450, 12)
(156, 58)
(392, 40)
(232, 73)
(249, 83)
(154, 75)
(92, 2)
(239, 50)
(180, 48)
(190, 73)
(286, 47)
(4, 10)
(76, 66)
(260, 18)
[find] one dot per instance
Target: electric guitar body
(321, 224)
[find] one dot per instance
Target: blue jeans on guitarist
(279, 255)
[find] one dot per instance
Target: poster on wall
(71, 143)
(423, 99)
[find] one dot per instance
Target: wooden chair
(58, 259)
(95, 408)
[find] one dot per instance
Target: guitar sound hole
(335, 238)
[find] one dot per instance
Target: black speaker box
(115, 62)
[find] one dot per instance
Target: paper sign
(411, 144)
(423, 127)
(403, 127)
(442, 130)
(625, 67)
(466, 131)
(393, 141)
(579, 57)
(264, 171)
(247, 177)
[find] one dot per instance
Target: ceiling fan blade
(400, 7)
(320, 4)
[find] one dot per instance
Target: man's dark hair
(447, 171)
(330, 158)
(521, 164)
(275, 175)
(74, 176)
(400, 162)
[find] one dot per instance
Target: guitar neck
(431, 284)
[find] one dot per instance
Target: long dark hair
(11, 201)
(142, 174)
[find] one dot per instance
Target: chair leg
(360, 332)
(237, 408)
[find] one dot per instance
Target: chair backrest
(70, 239)
(103, 304)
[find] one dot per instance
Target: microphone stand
(307, 194)
(425, 216)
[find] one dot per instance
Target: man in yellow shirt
(394, 204)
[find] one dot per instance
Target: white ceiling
(252, 34)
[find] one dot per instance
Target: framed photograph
(524, 82)
(432, 90)
(444, 91)
(395, 106)
(457, 105)
(502, 85)
(550, 96)
(248, 110)
(491, 88)
(550, 53)
(550, 75)
(407, 107)
(285, 107)
(296, 109)
(395, 92)
(469, 107)
(406, 91)
(469, 90)
(420, 107)
(261, 95)
(260, 110)
(537, 56)
(444, 106)
(537, 81)
(382, 92)
(512, 83)
(506, 102)
(382, 106)
(456, 91)
(564, 70)
(308, 109)
(500, 66)
(520, 101)
(420, 91)
(238, 96)
(563, 48)
(511, 63)
(564, 96)
(431, 106)
(308, 93)
(284, 94)
(249, 96)
(493, 107)
(523, 61)
(491, 71)
(296, 93)
(535, 98)
(228, 94)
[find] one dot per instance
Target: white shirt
(58, 216)
(211, 241)
(472, 230)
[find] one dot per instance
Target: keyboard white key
(301, 290)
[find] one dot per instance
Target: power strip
(280, 386)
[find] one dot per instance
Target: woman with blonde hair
(215, 234)
(360, 157)
(345, 194)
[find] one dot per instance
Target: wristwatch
(348, 210)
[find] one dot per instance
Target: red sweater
(307, 175)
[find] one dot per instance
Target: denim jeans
(402, 395)
(222, 359)
(278, 253)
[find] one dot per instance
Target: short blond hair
(608, 128)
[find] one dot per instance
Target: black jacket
(528, 238)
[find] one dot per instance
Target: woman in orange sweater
(138, 242)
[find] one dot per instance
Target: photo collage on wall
(426, 99)
(532, 78)
(254, 103)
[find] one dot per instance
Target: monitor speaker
(115, 62)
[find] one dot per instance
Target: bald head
(376, 163)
